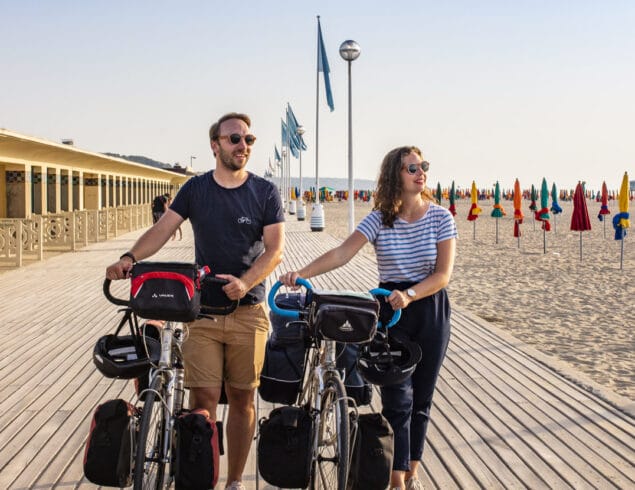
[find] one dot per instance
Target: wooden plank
(503, 416)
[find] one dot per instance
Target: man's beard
(228, 162)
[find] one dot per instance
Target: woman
(415, 243)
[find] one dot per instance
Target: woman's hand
(399, 300)
(289, 279)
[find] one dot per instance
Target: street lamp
(301, 211)
(350, 51)
(192, 157)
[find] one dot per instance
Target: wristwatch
(411, 293)
(130, 256)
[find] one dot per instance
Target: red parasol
(580, 217)
(604, 209)
(518, 213)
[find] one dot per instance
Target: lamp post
(192, 157)
(350, 51)
(285, 188)
(301, 211)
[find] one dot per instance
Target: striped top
(408, 251)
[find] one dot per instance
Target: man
(159, 206)
(238, 225)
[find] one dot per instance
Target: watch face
(411, 293)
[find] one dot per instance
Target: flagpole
(317, 213)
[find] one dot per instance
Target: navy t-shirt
(228, 223)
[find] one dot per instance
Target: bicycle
(324, 395)
(154, 445)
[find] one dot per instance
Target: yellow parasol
(474, 209)
(518, 213)
(621, 220)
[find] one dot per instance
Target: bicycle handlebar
(205, 309)
(295, 314)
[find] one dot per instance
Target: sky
(490, 91)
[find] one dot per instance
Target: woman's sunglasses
(235, 138)
(412, 168)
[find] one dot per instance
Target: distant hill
(142, 160)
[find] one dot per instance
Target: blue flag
(278, 158)
(292, 124)
(323, 66)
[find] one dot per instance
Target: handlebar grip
(110, 297)
(294, 314)
(396, 315)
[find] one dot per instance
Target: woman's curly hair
(388, 192)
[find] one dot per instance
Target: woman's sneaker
(237, 485)
(414, 484)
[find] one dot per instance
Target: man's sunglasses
(412, 168)
(235, 138)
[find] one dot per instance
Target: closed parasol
(452, 197)
(439, 193)
(532, 205)
(555, 207)
(542, 214)
(474, 209)
(518, 213)
(498, 211)
(621, 220)
(604, 208)
(580, 216)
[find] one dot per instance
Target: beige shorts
(229, 348)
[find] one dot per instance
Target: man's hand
(120, 269)
(289, 279)
(235, 289)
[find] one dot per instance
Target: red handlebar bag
(165, 291)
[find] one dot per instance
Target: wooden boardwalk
(504, 415)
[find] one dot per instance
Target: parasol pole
(544, 240)
(604, 221)
(580, 246)
(555, 223)
(474, 230)
(497, 231)
(622, 254)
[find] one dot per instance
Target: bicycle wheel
(149, 469)
(329, 469)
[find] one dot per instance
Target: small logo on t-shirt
(244, 220)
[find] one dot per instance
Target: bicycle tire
(148, 454)
(329, 466)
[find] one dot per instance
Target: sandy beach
(578, 311)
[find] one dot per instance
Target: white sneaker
(235, 485)
(414, 484)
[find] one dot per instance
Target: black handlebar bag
(165, 291)
(344, 316)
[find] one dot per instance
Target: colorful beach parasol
(532, 205)
(555, 207)
(621, 220)
(498, 211)
(580, 217)
(452, 196)
(604, 208)
(474, 209)
(518, 213)
(542, 214)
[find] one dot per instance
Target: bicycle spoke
(149, 469)
(330, 465)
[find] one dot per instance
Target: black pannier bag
(198, 450)
(356, 387)
(344, 316)
(372, 452)
(285, 355)
(284, 447)
(165, 291)
(110, 444)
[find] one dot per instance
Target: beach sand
(581, 312)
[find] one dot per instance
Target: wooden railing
(66, 231)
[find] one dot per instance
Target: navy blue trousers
(407, 405)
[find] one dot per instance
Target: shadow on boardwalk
(505, 416)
